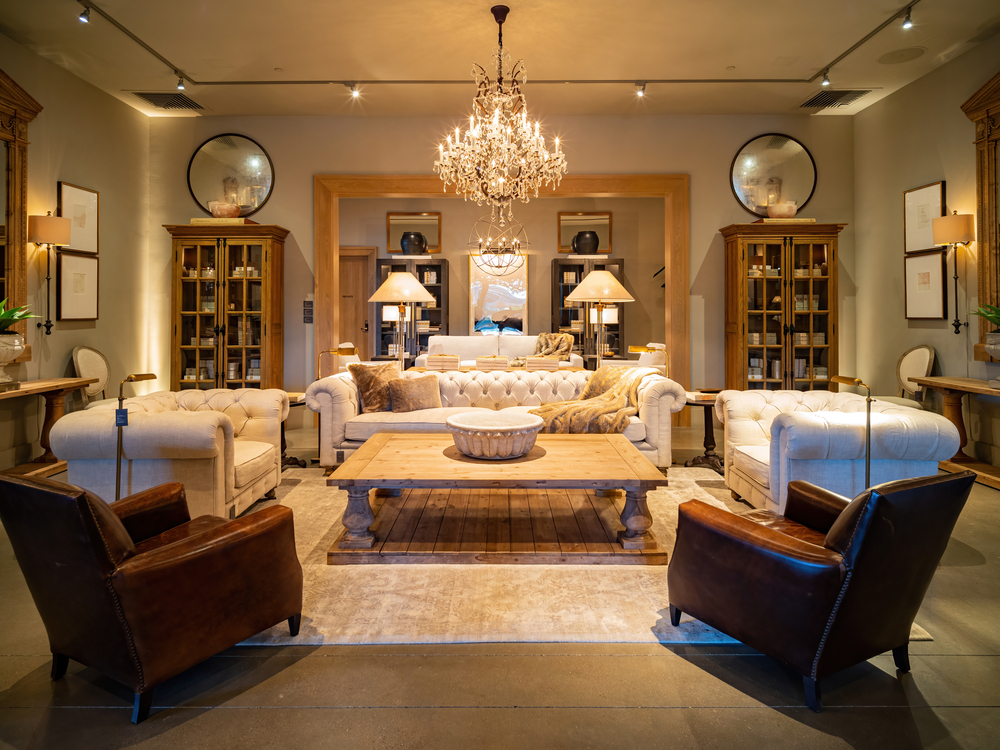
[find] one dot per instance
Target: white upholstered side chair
(915, 363)
(90, 363)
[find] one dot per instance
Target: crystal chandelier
(501, 157)
(496, 250)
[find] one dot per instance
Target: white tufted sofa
(469, 347)
(774, 437)
(343, 428)
(223, 445)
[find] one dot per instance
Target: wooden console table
(952, 389)
(54, 390)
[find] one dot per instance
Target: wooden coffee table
(598, 464)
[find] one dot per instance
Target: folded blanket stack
(443, 362)
(487, 364)
(550, 364)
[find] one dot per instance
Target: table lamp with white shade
(600, 287)
(957, 229)
(400, 289)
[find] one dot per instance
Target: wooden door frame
(371, 254)
(674, 189)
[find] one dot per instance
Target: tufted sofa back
(254, 413)
(498, 390)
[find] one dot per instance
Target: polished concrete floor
(535, 695)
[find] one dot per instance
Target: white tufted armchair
(223, 445)
(343, 429)
(774, 437)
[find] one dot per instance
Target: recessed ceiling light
(730, 67)
(899, 56)
(279, 70)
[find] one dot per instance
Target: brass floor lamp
(868, 422)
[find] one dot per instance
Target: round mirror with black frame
(230, 175)
(773, 170)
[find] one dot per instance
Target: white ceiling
(438, 40)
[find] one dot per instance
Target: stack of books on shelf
(819, 339)
(820, 372)
(776, 369)
(754, 338)
(206, 369)
(550, 364)
(768, 271)
(253, 371)
(423, 326)
(755, 272)
(569, 277)
(755, 371)
(801, 271)
(802, 338)
(430, 277)
(802, 302)
(443, 362)
(801, 366)
(492, 363)
(190, 373)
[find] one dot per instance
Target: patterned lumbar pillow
(373, 384)
(413, 394)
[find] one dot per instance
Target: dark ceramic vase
(413, 243)
(586, 243)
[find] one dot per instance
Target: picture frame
(83, 207)
(924, 285)
(920, 205)
(77, 285)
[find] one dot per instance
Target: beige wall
(702, 147)
(88, 138)
(917, 136)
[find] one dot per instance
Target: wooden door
(354, 322)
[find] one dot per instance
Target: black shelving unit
(574, 317)
(426, 320)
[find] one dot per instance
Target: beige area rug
(398, 604)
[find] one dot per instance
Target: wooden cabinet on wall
(574, 317)
(781, 306)
(227, 306)
(426, 319)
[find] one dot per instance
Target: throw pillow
(413, 394)
(373, 384)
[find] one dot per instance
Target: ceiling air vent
(834, 99)
(172, 100)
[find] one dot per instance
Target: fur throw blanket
(550, 345)
(610, 397)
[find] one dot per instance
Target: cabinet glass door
(811, 315)
(387, 314)
(243, 319)
(766, 307)
(198, 327)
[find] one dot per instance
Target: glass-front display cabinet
(781, 306)
(580, 318)
(227, 306)
(421, 319)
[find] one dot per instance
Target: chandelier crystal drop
(501, 157)
(495, 249)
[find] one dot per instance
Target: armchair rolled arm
(150, 512)
(814, 506)
(188, 600)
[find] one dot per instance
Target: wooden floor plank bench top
(416, 498)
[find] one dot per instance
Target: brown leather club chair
(140, 591)
(831, 583)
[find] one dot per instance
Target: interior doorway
(357, 271)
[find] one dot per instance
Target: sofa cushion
(364, 426)
(517, 346)
(754, 461)
(466, 347)
(635, 432)
(252, 460)
(373, 384)
(415, 394)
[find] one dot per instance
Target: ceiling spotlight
(640, 89)
(354, 89)
(85, 16)
(180, 84)
(907, 23)
(826, 79)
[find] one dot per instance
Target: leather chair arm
(186, 601)
(814, 506)
(150, 512)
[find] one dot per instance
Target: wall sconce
(52, 231)
(957, 229)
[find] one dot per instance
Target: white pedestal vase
(11, 347)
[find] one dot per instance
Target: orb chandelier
(497, 250)
(501, 157)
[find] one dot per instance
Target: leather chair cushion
(754, 461)
(364, 426)
(786, 526)
(191, 528)
(252, 460)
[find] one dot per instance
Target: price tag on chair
(121, 417)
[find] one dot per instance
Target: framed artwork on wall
(920, 205)
(83, 208)
(498, 304)
(77, 282)
(924, 285)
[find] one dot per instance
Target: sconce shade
(49, 230)
(610, 315)
(401, 287)
(955, 229)
(600, 286)
(391, 313)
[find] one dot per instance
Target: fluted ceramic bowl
(494, 435)
(223, 210)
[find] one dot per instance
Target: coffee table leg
(357, 518)
(637, 521)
